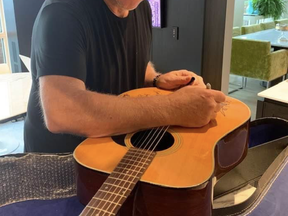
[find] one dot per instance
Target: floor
(11, 137)
(248, 95)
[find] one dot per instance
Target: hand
(195, 107)
(178, 79)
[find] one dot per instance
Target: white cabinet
(14, 93)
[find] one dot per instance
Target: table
(271, 35)
(14, 94)
(274, 102)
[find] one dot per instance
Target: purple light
(156, 12)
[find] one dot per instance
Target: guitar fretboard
(118, 186)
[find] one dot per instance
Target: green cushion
(236, 31)
(268, 25)
(282, 21)
(250, 29)
(252, 58)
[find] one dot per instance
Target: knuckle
(210, 105)
(206, 120)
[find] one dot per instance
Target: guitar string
(137, 141)
(143, 135)
(121, 181)
(99, 203)
(127, 164)
(150, 152)
(145, 157)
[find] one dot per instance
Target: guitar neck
(118, 186)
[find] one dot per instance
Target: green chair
(282, 21)
(267, 25)
(250, 29)
(236, 31)
(254, 59)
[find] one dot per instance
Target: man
(84, 53)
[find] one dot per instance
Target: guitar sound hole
(152, 139)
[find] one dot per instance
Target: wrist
(155, 80)
(170, 109)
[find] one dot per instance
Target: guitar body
(178, 181)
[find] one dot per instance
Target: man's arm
(69, 108)
(150, 74)
(172, 80)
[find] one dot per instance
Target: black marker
(191, 81)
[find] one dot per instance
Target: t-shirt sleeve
(58, 43)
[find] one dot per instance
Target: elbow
(53, 123)
(52, 127)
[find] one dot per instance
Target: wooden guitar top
(189, 163)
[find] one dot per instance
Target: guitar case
(265, 168)
(44, 184)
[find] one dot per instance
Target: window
(4, 52)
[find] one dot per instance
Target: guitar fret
(102, 199)
(137, 151)
(127, 181)
(133, 155)
(119, 182)
(145, 163)
(144, 156)
(99, 211)
(117, 186)
(126, 171)
(88, 211)
(103, 191)
(125, 166)
(107, 204)
(125, 174)
(106, 201)
(121, 191)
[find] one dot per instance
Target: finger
(213, 115)
(195, 81)
(182, 80)
(215, 111)
(219, 96)
(199, 84)
(218, 107)
(186, 73)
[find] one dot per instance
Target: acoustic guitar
(165, 171)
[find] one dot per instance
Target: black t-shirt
(85, 40)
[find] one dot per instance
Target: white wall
(238, 13)
(285, 15)
(227, 45)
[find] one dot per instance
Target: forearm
(94, 115)
(150, 75)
